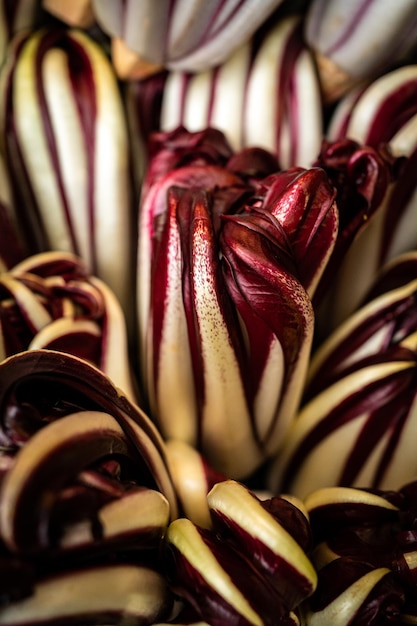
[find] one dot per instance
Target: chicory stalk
(355, 432)
(273, 533)
(50, 301)
(358, 530)
(332, 511)
(85, 484)
(354, 592)
(45, 464)
(276, 316)
(358, 418)
(196, 316)
(387, 320)
(348, 46)
(377, 112)
(132, 593)
(184, 35)
(40, 386)
(225, 318)
(67, 151)
(214, 570)
(176, 409)
(263, 95)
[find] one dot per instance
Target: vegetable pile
(208, 312)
